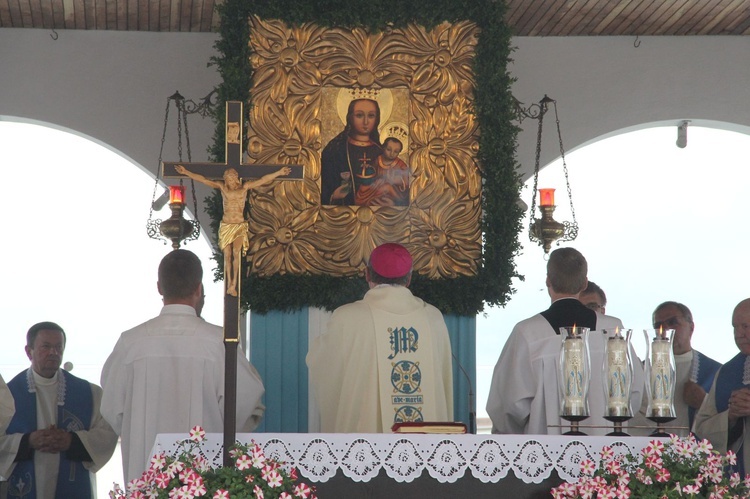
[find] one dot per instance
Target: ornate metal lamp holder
(176, 228)
(546, 230)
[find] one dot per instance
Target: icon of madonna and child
(361, 166)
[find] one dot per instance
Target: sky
(656, 223)
(75, 249)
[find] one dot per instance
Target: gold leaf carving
(424, 84)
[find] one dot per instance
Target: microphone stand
(472, 411)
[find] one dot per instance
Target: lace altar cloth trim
(360, 457)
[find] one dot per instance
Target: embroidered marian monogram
(406, 368)
(403, 341)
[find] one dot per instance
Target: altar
(429, 466)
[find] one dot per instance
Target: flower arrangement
(668, 469)
(189, 475)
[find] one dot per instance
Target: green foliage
(497, 144)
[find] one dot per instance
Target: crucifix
(234, 179)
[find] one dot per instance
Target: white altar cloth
(360, 457)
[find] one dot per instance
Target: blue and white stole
(702, 371)
(734, 375)
(74, 408)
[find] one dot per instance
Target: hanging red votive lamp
(546, 197)
(177, 194)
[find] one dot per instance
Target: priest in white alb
(524, 396)
(167, 374)
(384, 359)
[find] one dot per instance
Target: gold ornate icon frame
(299, 75)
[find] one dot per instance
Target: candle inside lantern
(177, 194)
(546, 197)
(574, 375)
(661, 377)
(618, 376)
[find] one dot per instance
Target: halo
(383, 96)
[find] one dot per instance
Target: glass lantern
(574, 375)
(660, 377)
(617, 377)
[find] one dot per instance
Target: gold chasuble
(406, 368)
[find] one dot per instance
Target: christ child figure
(391, 186)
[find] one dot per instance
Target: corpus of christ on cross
(234, 179)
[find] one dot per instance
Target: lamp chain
(183, 115)
(565, 166)
(158, 163)
(542, 111)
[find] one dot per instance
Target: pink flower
(274, 479)
(705, 446)
(623, 492)
(654, 462)
(731, 458)
(284, 495)
(135, 484)
(303, 491)
(734, 479)
(249, 478)
(162, 480)
(613, 467)
(643, 477)
(201, 464)
(623, 480)
(663, 475)
(654, 447)
(715, 475)
(158, 461)
(691, 489)
(243, 462)
(266, 472)
(221, 494)
(588, 467)
(258, 492)
(568, 489)
(197, 434)
(607, 453)
(259, 459)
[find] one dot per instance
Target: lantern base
(574, 426)
(661, 421)
(617, 422)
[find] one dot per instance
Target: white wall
(109, 86)
(113, 86)
(606, 85)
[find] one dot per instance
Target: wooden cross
(213, 172)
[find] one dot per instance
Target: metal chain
(565, 166)
(190, 160)
(542, 111)
(158, 164)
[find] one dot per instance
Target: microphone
(472, 411)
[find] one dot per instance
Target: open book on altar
(429, 427)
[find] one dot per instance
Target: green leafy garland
(501, 225)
